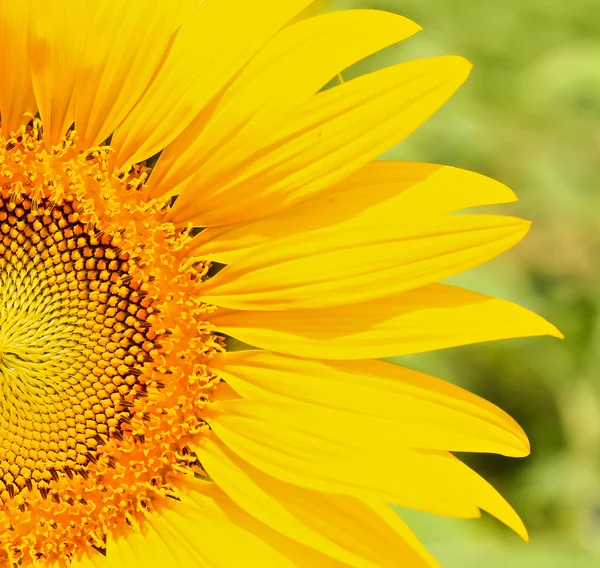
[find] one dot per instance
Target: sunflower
(201, 264)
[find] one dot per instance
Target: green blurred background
(528, 116)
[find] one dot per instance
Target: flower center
(73, 340)
(103, 350)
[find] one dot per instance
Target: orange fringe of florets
(130, 473)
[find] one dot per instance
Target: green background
(528, 116)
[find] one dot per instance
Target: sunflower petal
(204, 57)
(91, 559)
(376, 397)
(342, 265)
(211, 498)
(170, 537)
(293, 66)
(16, 89)
(57, 35)
(328, 138)
(383, 191)
(433, 317)
(290, 450)
(339, 526)
(115, 70)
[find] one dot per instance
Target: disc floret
(103, 349)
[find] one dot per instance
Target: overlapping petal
(204, 57)
(352, 263)
(16, 89)
(210, 497)
(379, 400)
(56, 40)
(114, 70)
(380, 191)
(294, 65)
(170, 537)
(323, 141)
(92, 559)
(344, 528)
(433, 317)
(275, 440)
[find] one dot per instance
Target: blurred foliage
(529, 116)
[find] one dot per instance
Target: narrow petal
(209, 495)
(193, 532)
(91, 559)
(349, 263)
(204, 57)
(57, 35)
(331, 136)
(339, 526)
(427, 480)
(373, 396)
(293, 66)
(324, 464)
(16, 89)
(433, 317)
(383, 191)
(115, 70)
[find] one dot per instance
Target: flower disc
(89, 430)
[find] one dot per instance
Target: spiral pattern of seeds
(73, 341)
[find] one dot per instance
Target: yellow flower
(131, 433)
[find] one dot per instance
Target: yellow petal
(350, 263)
(90, 559)
(16, 90)
(115, 69)
(384, 191)
(393, 520)
(211, 498)
(340, 526)
(293, 66)
(57, 34)
(193, 532)
(328, 138)
(204, 57)
(377, 398)
(428, 480)
(425, 319)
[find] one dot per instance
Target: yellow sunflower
(200, 265)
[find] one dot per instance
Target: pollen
(99, 338)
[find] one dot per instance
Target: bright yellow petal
(209, 496)
(377, 398)
(91, 559)
(351, 263)
(321, 142)
(429, 318)
(339, 526)
(390, 517)
(291, 451)
(293, 66)
(193, 532)
(205, 56)
(16, 90)
(127, 41)
(383, 191)
(57, 34)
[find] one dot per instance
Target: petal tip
(459, 65)
(552, 330)
(522, 532)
